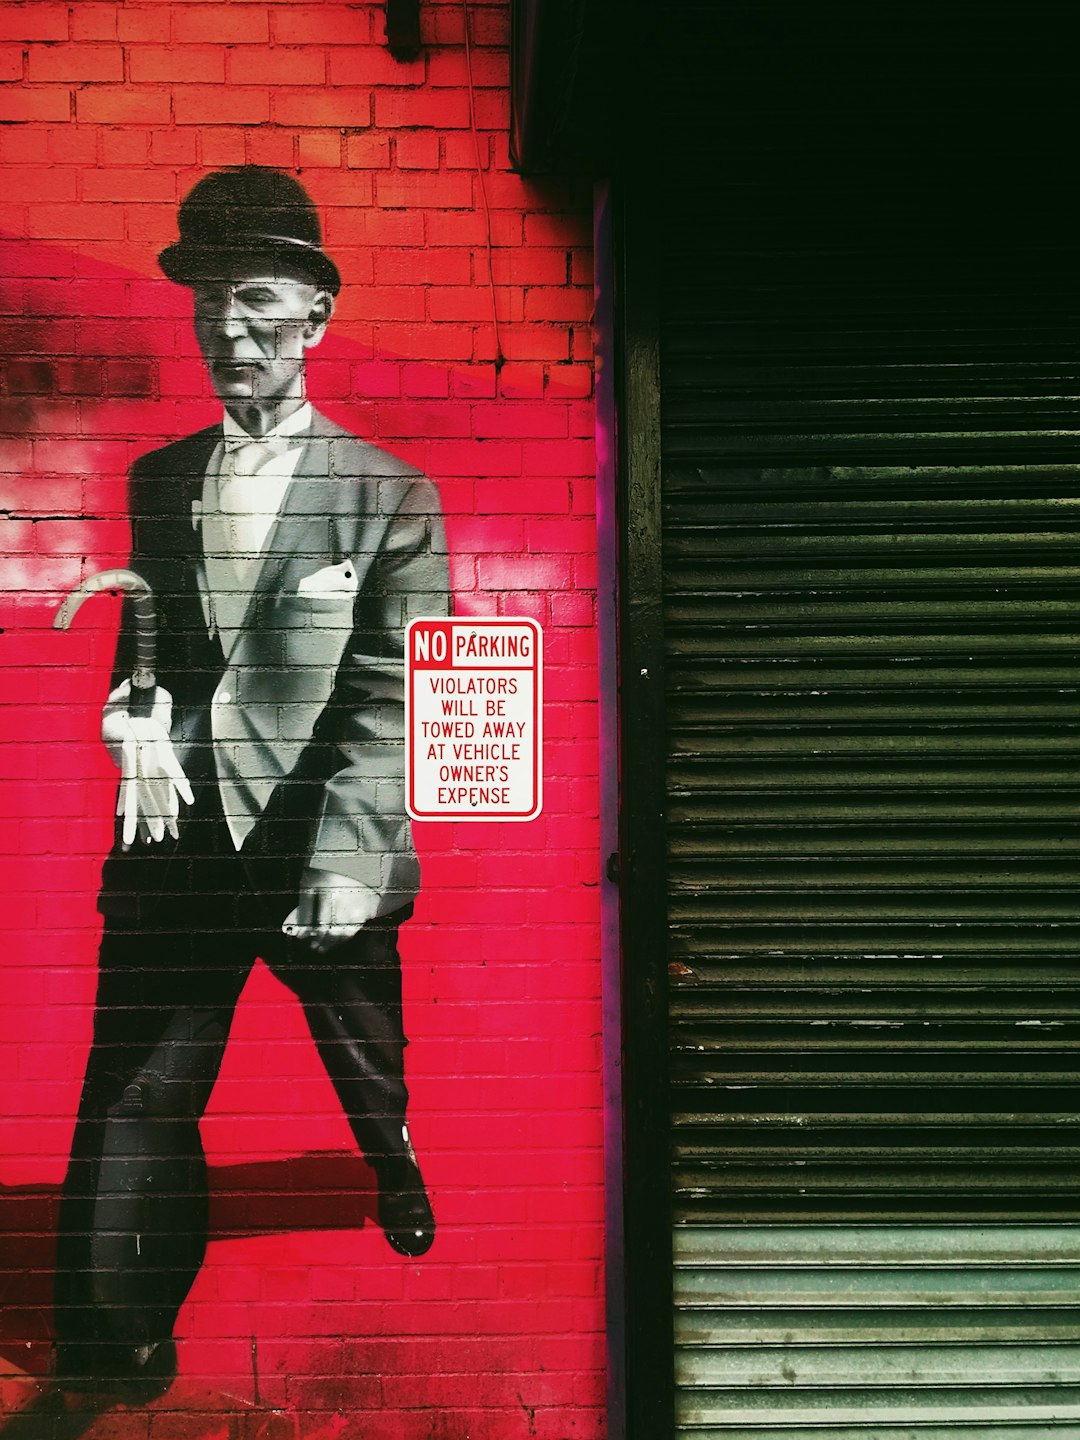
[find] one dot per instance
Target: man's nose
(232, 318)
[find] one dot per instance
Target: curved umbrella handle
(143, 679)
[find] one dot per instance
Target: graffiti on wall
(246, 504)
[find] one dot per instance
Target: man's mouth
(234, 376)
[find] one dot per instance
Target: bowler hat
(251, 214)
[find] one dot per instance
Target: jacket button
(223, 697)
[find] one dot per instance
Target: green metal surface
(926, 1331)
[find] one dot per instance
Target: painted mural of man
(261, 805)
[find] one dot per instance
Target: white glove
(331, 908)
(152, 781)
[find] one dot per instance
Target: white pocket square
(331, 580)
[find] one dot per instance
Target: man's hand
(152, 781)
(332, 908)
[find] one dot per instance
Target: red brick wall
(110, 111)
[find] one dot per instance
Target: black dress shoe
(404, 1210)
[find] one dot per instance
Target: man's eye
(258, 297)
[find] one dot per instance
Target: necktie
(247, 501)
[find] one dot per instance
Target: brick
(406, 191)
(372, 65)
(113, 336)
(444, 266)
(536, 342)
(214, 105)
(357, 332)
(43, 103)
(376, 379)
(324, 24)
(114, 105)
(80, 222)
(75, 62)
(460, 150)
(370, 151)
(147, 23)
(33, 22)
(317, 149)
(33, 183)
(387, 302)
(417, 151)
(549, 303)
(221, 24)
(427, 342)
(561, 536)
(24, 336)
(125, 147)
(276, 65)
(355, 264)
(425, 381)
(522, 382)
(149, 221)
(26, 144)
(29, 377)
(491, 109)
(446, 110)
(484, 535)
(445, 228)
(73, 145)
(79, 377)
(570, 457)
(581, 343)
(422, 421)
(490, 27)
(518, 420)
(173, 147)
(384, 227)
(131, 378)
(529, 265)
(443, 26)
(473, 302)
(180, 65)
(449, 68)
(269, 147)
(349, 109)
(11, 62)
(93, 22)
(475, 458)
(128, 185)
(473, 382)
(222, 146)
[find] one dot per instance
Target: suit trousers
(133, 1214)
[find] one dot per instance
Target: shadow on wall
(324, 1191)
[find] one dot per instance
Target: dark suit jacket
(316, 675)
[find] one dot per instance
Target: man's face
(254, 332)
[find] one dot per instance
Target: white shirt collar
(293, 424)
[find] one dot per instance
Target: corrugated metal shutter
(893, 1333)
(846, 241)
(872, 619)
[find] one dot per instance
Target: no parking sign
(474, 716)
